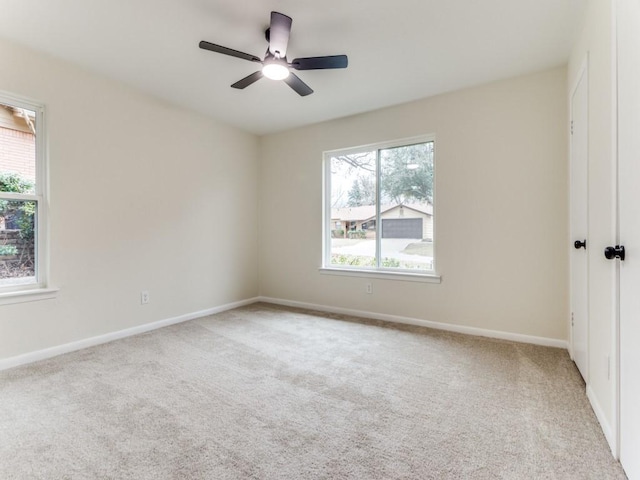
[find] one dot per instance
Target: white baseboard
(147, 327)
(606, 426)
(109, 337)
(479, 332)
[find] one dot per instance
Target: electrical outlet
(369, 288)
(144, 297)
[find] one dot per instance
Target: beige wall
(501, 208)
(143, 196)
(596, 42)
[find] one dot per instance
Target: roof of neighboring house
(368, 212)
(353, 213)
(15, 118)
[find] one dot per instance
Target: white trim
(40, 196)
(326, 210)
(381, 274)
(29, 197)
(400, 142)
(22, 296)
(147, 327)
(326, 196)
(602, 418)
(615, 357)
(109, 337)
(478, 332)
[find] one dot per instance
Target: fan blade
(246, 81)
(228, 51)
(318, 63)
(279, 32)
(298, 85)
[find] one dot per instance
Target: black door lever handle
(580, 244)
(615, 252)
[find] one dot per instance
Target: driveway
(391, 247)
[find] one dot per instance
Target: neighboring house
(17, 146)
(410, 220)
(17, 142)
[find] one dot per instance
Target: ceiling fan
(275, 65)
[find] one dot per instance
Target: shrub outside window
(379, 207)
(22, 194)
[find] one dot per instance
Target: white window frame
(39, 290)
(431, 276)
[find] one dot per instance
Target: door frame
(616, 354)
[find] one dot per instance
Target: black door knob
(615, 252)
(580, 244)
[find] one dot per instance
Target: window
(22, 194)
(383, 195)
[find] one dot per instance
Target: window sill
(22, 296)
(401, 276)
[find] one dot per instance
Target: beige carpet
(264, 392)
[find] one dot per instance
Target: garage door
(401, 228)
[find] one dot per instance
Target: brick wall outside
(18, 152)
(23, 260)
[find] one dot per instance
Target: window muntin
(21, 194)
(386, 185)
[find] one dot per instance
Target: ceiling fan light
(275, 71)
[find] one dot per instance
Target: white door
(629, 214)
(578, 258)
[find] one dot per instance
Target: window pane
(17, 242)
(406, 210)
(17, 149)
(353, 210)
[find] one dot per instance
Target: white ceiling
(398, 50)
